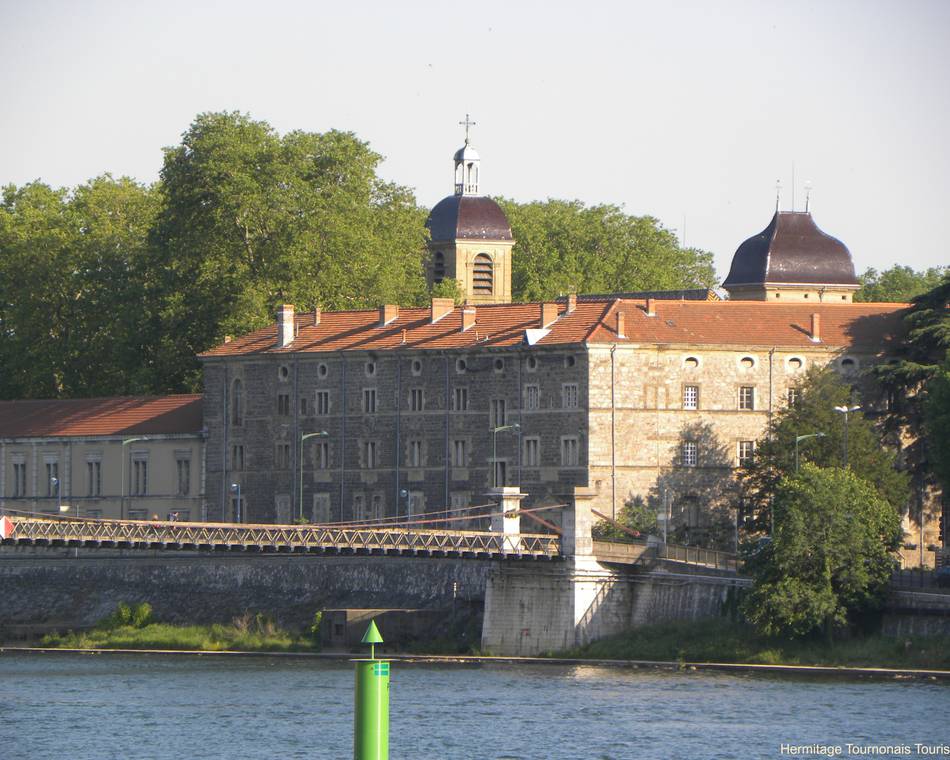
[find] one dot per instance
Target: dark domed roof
(468, 217)
(792, 250)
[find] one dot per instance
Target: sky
(685, 111)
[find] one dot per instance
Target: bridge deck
(363, 540)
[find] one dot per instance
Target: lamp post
(236, 489)
(125, 443)
(845, 410)
(799, 439)
(321, 434)
(494, 448)
(54, 483)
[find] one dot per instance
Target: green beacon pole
(371, 716)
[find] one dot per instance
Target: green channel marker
(371, 706)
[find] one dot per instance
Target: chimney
(816, 328)
(404, 336)
(228, 338)
(285, 325)
(620, 324)
(388, 313)
(571, 303)
(548, 314)
(651, 307)
(468, 317)
(441, 307)
(316, 316)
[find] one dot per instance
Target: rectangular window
(94, 514)
(793, 397)
(139, 485)
(369, 454)
(498, 412)
(532, 452)
(137, 514)
(460, 400)
(377, 510)
(369, 401)
(359, 506)
(689, 454)
(321, 453)
(321, 508)
(569, 396)
(414, 454)
(501, 473)
(746, 450)
(19, 479)
(282, 456)
(459, 458)
(237, 456)
(691, 397)
(283, 404)
(52, 478)
(532, 397)
(323, 403)
(417, 502)
(184, 477)
(569, 452)
(747, 397)
(304, 406)
(94, 478)
(417, 399)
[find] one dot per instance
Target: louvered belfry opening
(438, 267)
(483, 274)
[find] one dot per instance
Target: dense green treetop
(820, 391)
(567, 247)
(899, 284)
(830, 557)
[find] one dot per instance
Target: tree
(830, 558)
(254, 219)
(565, 246)
(899, 284)
(634, 515)
(820, 391)
(937, 424)
(73, 287)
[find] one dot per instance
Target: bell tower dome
(470, 238)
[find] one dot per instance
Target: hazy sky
(685, 111)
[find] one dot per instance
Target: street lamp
(494, 448)
(845, 410)
(799, 439)
(321, 434)
(236, 489)
(125, 443)
(54, 483)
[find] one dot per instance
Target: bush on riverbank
(132, 628)
(727, 641)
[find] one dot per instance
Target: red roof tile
(593, 321)
(129, 415)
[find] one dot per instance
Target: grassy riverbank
(132, 628)
(725, 641)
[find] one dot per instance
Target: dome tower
(470, 238)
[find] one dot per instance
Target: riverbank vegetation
(134, 628)
(727, 641)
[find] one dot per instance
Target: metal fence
(695, 555)
(305, 538)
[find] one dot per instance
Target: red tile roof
(129, 415)
(592, 321)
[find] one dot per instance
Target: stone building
(361, 415)
(130, 457)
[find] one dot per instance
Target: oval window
(370, 368)
(570, 361)
(691, 362)
(460, 365)
(283, 372)
(795, 363)
(532, 363)
(417, 366)
(747, 362)
(322, 370)
(499, 365)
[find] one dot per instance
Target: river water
(165, 706)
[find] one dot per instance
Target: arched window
(438, 267)
(483, 274)
(237, 402)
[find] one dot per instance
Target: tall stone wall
(68, 592)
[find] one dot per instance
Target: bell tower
(470, 238)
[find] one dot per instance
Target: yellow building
(132, 457)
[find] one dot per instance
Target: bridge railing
(695, 555)
(327, 538)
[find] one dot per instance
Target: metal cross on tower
(467, 123)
